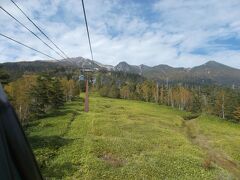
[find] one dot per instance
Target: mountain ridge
(210, 71)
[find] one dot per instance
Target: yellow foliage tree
(18, 92)
(237, 114)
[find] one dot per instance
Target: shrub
(191, 116)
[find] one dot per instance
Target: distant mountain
(125, 67)
(80, 62)
(16, 69)
(210, 72)
(217, 72)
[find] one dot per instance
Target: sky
(180, 33)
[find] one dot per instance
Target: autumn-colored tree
(237, 114)
(180, 97)
(185, 96)
(162, 95)
(175, 97)
(170, 97)
(125, 92)
(70, 88)
(18, 92)
(197, 98)
(155, 91)
(139, 91)
(220, 104)
(146, 88)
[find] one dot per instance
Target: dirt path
(74, 114)
(213, 155)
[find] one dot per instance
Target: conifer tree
(40, 94)
(56, 94)
(4, 77)
(196, 104)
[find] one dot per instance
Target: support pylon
(86, 103)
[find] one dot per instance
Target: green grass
(121, 139)
(223, 135)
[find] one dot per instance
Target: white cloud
(124, 30)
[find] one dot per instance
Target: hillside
(208, 73)
(17, 69)
(122, 139)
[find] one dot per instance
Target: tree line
(212, 99)
(34, 96)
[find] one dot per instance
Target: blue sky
(174, 32)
